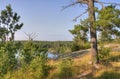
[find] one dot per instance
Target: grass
(82, 65)
(114, 56)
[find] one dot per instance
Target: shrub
(103, 53)
(75, 47)
(65, 69)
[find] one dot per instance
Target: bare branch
(31, 36)
(101, 4)
(72, 4)
(75, 19)
(107, 2)
(83, 1)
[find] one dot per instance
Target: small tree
(10, 21)
(7, 58)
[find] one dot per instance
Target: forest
(94, 52)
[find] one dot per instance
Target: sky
(45, 18)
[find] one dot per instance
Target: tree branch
(83, 1)
(74, 3)
(79, 15)
(100, 4)
(106, 2)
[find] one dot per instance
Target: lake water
(51, 55)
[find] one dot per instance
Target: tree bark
(93, 34)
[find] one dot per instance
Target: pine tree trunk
(94, 50)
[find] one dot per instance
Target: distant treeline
(53, 46)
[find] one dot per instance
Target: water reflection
(52, 56)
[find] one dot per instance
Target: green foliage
(9, 24)
(115, 59)
(3, 32)
(103, 53)
(7, 58)
(28, 60)
(86, 45)
(65, 69)
(75, 47)
(28, 51)
(107, 23)
(58, 47)
(39, 68)
(37, 60)
(33, 62)
(80, 32)
(109, 75)
(9, 21)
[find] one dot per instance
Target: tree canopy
(107, 23)
(9, 23)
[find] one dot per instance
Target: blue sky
(45, 18)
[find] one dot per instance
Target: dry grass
(115, 54)
(82, 64)
(110, 70)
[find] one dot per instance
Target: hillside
(83, 69)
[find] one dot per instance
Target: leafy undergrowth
(81, 68)
(71, 68)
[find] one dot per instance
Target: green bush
(8, 60)
(75, 47)
(85, 46)
(39, 68)
(65, 69)
(103, 53)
